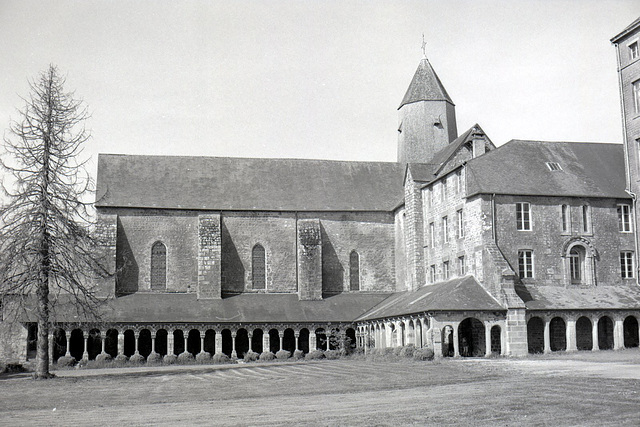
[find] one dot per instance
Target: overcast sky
(312, 79)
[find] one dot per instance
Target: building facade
(461, 246)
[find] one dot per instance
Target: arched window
(258, 264)
(354, 271)
(576, 264)
(158, 266)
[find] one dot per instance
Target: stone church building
(461, 246)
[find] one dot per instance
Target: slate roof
(425, 86)
(635, 24)
(227, 183)
(561, 298)
(460, 294)
(519, 168)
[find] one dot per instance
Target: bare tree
(49, 254)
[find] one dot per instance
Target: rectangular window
(459, 182)
(586, 219)
(633, 51)
(523, 216)
(635, 87)
(566, 218)
(432, 273)
(462, 268)
(444, 189)
(525, 263)
(460, 224)
(445, 270)
(626, 264)
(445, 229)
(432, 234)
(624, 218)
(430, 196)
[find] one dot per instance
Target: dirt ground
(600, 388)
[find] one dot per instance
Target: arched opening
(558, 334)
(258, 267)
(496, 340)
(605, 333)
(447, 342)
(584, 334)
(471, 339)
(94, 344)
(402, 335)
(227, 342)
(303, 340)
(144, 343)
(129, 343)
(383, 336)
(161, 342)
(350, 341)
(411, 334)
(158, 266)
(630, 328)
(321, 339)
(210, 341)
(334, 339)
(76, 344)
(193, 342)
(274, 341)
(59, 343)
(256, 340)
(289, 340)
(111, 342)
(354, 271)
(242, 342)
(418, 332)
(394, 335)
(32, 340)
(535, 335)
(178, 342)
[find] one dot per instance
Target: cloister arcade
(86, 342)
(576, 331)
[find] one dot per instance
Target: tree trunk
(42, 355)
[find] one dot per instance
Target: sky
(310, 79)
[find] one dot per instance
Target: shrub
(298, 354)
(154, 359)
(283, 354)
(396, 351)
(251, 356)
(66, 361)
(407, 350)
(13, 368)
(120, 360)
(185, 357)
(203, 357)
(102, 358)
(220, 358)
(423, 354)
(332, 354)
(136, 359)
(170, 359)
(315, 355)
(266, 356)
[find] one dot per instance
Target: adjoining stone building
(461, 246)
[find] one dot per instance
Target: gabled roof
(459, 294)
(227, 183)
(634, 25)
(425, 86)
(520, 168)
(541, 297)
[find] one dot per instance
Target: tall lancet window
(158, 266)
(354, 271)
(258, 267)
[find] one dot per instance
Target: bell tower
(427, 117)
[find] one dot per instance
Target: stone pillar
(67, 335)
(594, 335)
(280, 336)
(153, 343)
(250, 337)
(120, 343)
(313, 342)
(170, 347)
(572, 344)
(266, 341)
(487, 339)
(209, 257)
(137, 339)
(185, 336)
(456, 343)
(309, 259)
(202, 342)
(516, 332)
(85, 353)
(618, 334)
(296, 334)
(234, 355)
(218, 341)
(103, 342)
(547, 337)
(503, 341)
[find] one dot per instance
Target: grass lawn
(565, 389)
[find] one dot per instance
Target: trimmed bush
(283, 354)
(396, 351)
(407, 350)
(170, 359)
(66, 361)
(136, 359)
(185, 357)
(120, 360)
(332, 354)
(423, 354)
(266, 356)
(203, 357)
(154, 359)
(298, 354)
(103, 358)
(220, 358)
(251, 356)
(315, 355)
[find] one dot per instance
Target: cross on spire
(424, 47)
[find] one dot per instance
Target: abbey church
(460, 246)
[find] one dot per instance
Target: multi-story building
(461, 246)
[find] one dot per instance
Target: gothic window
(576, 264)
(566, 218)
(158, 266)
(624, 218)
(354, 271)
(523, 216)
(626, 264)
(525, 264)
(258, 267)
